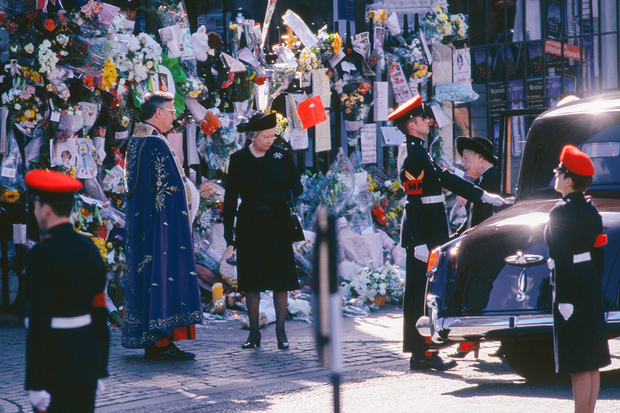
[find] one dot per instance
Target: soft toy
(200, 42)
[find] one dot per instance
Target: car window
(596, 134)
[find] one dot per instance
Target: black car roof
(591, 119)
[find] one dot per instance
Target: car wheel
(531, 359)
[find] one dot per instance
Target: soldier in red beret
(68, 338)
(573, 236)
(424, 226)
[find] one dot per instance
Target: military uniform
(68, 338)
(424, 223)
(572, 235)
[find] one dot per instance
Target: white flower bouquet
(369, 283)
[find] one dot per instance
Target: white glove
(421, 252)
(40, 399)
(100, 388)
(566, 309)
(492, 199)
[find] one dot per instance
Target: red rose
(49, 24)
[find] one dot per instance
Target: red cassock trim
(179, 333)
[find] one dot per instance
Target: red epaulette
(99, 300)
(600, 240)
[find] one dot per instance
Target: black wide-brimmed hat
(481, 146)
(258, 122)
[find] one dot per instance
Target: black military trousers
(73, 398)
(413, 306)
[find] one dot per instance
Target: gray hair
(154, 101)
(251, 134)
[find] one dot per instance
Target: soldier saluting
(68, 338)
(424, 226)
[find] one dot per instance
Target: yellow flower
(100, 243)
(9, 196)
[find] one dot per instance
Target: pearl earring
(479, 165)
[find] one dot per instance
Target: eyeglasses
(169, 110)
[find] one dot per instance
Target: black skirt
(265, 259)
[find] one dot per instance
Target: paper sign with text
(311, 112)
(369, 143)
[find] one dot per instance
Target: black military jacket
(424, 221)
(64, 274)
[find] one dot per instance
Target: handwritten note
(311, 112)
(392, 136)
(380, 91)
(4, 115)
(298, 139)
(335, 59)
(320, 87)
(369, 143)
(323, 135)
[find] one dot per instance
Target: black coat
(263, 236)
(478, 210)
(581, 341)
(64, 273)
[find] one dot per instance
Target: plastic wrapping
(356, 99)
(455, 91)
(12, 184)
(368, 282)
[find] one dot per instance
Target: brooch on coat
(277, 155)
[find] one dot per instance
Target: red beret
(409, 109)
(575, 161)
(53, 182)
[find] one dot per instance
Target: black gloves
(228, 236)
(278, 196)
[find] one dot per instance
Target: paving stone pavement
(220, 362)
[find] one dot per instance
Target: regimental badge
(413, 186)
(277, 155)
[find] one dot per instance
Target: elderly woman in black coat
(265, 177)
(572, 235)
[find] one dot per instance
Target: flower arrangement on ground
(369, 282)
(209, 209)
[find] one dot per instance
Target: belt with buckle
(71, 322)
(435, 199)
(583, 257)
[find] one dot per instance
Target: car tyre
(531, 359)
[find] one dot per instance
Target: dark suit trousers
(413, 306)
(74, 398)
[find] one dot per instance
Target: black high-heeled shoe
(252, 343)
(283, 345)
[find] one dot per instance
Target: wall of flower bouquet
(72, 84)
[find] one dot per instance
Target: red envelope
(311, 112)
